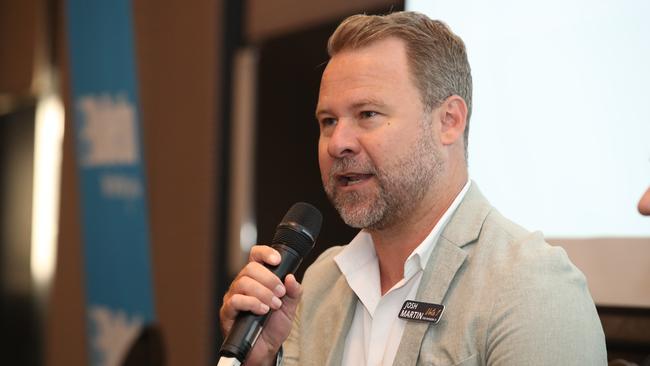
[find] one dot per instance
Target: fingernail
(279, 291)
(277, 303)
(265, 308)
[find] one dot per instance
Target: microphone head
(299, 228)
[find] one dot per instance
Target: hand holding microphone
(252, 291)
(258, 309)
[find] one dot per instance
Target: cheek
(379, 151)
(324, 160)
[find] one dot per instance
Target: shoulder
(522, 257)
(539, 294)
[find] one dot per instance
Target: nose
(343, 142)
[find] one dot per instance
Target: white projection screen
(560, 131)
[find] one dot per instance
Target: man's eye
(368, 114)
(325, 122)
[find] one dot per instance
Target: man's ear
(453, 118)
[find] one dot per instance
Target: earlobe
(454, 119)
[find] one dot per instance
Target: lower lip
(358, 184)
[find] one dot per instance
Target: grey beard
(399, 189)
(358, 211)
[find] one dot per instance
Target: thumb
(294, 291)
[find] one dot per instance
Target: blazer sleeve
(545, 314)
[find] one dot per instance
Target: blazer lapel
(341, 304)
(443, 264)
(446, 259)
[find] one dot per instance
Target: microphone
(294, 238)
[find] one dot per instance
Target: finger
(264, 276)
(235, 304)
(249, 287)
(238, 303)
(293, 287)
(292, 298)
(264, 254)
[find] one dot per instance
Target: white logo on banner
(120, 186)
(109, 130)
(114, 334)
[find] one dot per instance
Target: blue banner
(119, 294)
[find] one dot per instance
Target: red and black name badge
(422, 311)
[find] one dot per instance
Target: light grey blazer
(510, 299)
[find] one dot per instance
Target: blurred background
(222, 99)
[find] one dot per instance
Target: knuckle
(237, 301)
(255, 267)
(242, 286)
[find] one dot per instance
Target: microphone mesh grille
(300, 217)
(306, 215)
(294, 240)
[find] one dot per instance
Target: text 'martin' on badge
(422, 311)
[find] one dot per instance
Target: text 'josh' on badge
(422, 311)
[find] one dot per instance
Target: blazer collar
(446, 259)
(465, 225)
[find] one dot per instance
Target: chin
(362, 217)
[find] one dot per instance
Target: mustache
(350, 164)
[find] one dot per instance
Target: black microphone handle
(248, 326)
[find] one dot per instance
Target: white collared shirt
(376, 331)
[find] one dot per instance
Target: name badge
(422, 311)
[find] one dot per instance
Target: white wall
(560, 135)
(560, 132)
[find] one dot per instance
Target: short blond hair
(437, 57)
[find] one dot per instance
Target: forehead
(379, 68)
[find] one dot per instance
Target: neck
(395, 243)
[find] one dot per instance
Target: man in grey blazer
(436, 276)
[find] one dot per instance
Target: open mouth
(352, 179)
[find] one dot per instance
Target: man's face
(378, 152)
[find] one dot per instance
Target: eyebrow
(367, 101)
(356, 105)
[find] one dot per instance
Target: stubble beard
(399, 187)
